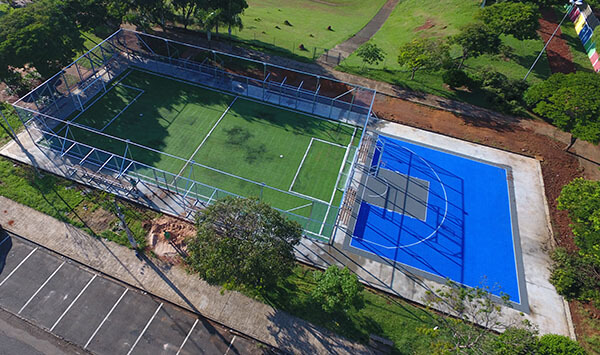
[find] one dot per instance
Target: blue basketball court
(440, 215)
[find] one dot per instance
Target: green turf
(262, 144)
(309, 20)
(316, 168)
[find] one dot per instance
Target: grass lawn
(262, 144)
(13, 120)
(309, 20)
(413, 18)
(383, 315)
(69, 202)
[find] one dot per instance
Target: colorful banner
(585, 23)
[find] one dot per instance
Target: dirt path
(558, 52)
(344, 49)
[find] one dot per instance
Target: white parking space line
(144, 330)
(72, 303)
(42, 286)
(187, 336)
(5, 239)
(230, 344)
(18, 266)
(105, 318)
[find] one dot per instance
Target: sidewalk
(232, 309)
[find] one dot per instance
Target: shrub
(552, 344)
(565, 274)
(456, 78)
(514, 341)
(338, 290)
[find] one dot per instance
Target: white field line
(101, 96)
(144, 330)
(337, 181)
(105, 318)
(187, 336)
(249, 98)
(72, 303)
(41, 287)
(299, 207)
(205, 138)
(18, 266)
(338, 145)
(301, 163)
(123, 110)
(230, 344)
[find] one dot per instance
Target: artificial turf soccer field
(286, 150)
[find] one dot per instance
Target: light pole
(572, 3)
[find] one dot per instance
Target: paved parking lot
(99, 314)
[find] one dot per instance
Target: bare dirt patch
(427, 25)
(97, 219)
(558, 52)
(172, 248)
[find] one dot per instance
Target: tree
(243, 242)
(512, 18)
(467, 306)
(476, 39)
(229, 12)
(576, 275)
(561, 100)
(422, 52)
(41, 34)
(370, 54)
(146, 13)
(189, 9)
(338, 290)
(581, 198)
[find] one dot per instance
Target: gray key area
(398, 193)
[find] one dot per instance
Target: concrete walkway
(344, 49)
(232, 309)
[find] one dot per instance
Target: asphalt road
(19, 337)
(95, 313)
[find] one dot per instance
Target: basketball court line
(439, 224)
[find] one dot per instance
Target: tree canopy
(581, 198)
(370, 54)
(41, 34)
(512, 18)
(338, 290)
(476, 39)
(570, 101)
(243, 242)
(423, 52)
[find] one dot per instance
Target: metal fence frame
(52, 103)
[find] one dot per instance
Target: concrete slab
(54, 298)
(122, 328)
(546, 308)
(23, 283)
(166, 332)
